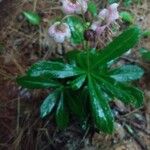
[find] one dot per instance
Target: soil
(21, 128)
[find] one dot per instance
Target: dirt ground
(21, 128)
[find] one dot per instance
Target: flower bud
(74, 6)
(88, 16)
(89, 35)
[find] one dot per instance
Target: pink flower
(74, 6)
(111, 14)
(96, 26)
(59, 32)
(106, 17)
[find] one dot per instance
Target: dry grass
(20, 125)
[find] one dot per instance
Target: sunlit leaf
(127, 17)
(32, 17)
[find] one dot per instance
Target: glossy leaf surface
(78, 82)
(101, 112)
(77, 28)
(48, 104)
(121, 91)
(127, 73)
(118, 46)
(53, 69)
(37, 82)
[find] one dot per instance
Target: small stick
(34, 5)
(136, 138)
(18, 116)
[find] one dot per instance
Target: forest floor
(21, 128)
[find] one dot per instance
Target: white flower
(74, 6)
(106, 17)
(59, 32)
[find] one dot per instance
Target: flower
(59, 31)
(106, 17)
(74, 6)
(111, 14)
(89, 35)
(98, 27)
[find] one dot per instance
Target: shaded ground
(20, 126)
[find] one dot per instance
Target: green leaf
(78, 82)
(136, 93)
(127, 17)
(146, 56)
(146, 33)
(36, 82)
(71, 56)
(145, 53)
(125, 93)
(118, 46)
(92, 8)
(100, 109)
(75, 103)
(127, 3)
(85, 60)
(53, 69)
(77, 27)
(62, 116)
(48, 104)
(127, 73)
(113, 1)
(32, 17)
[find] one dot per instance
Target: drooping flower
(106, 17)
(74, 6)
(98, 27)
(59, 32)
(111, 14)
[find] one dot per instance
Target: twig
(18, 116)
(130, 113)
(127, 121)
(18, 65)
(136, 138)
(34, 5)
